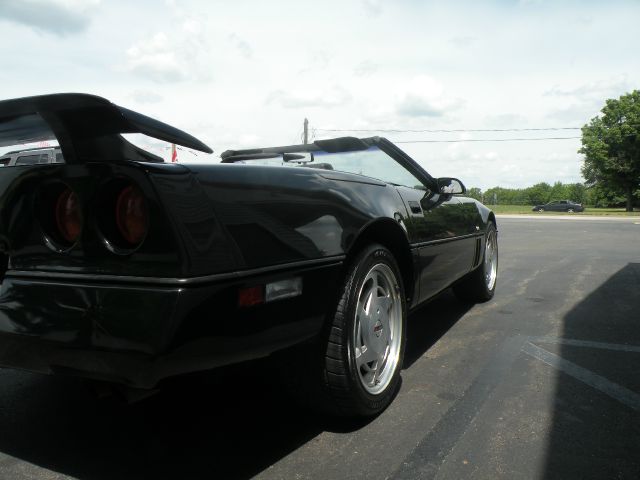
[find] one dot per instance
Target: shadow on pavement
(231, 423)
(430, 322)
(594, 434)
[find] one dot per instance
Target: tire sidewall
(371, 256)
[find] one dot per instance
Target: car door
(438, 229)
(436, 226)
(552, 207)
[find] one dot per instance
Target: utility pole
(306, 131)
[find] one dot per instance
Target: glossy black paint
(170, 306)
(140, 334)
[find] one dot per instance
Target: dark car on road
(559, 206)
(121, 268)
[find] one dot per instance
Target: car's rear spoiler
(87, 127)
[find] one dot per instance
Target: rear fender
(391, 235)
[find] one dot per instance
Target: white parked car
(32, 156)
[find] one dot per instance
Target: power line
(488, 140)
(441, 130)
(535, 139)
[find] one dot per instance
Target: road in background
(577, 217)
(539, 383)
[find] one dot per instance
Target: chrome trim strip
(216, 277)
(445, 240)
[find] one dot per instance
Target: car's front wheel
(366, 341)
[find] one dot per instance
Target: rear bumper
(139, 334)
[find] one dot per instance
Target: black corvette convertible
(121, 268)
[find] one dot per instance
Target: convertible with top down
(119, 267)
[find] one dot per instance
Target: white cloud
(527, 3)
(577, 102)
(241, 45)
(462, 41)
(59, 17)
(413, 105)
(172, 58)
(596, 89)
(317, 61)
(156, 59)
(575, 114)
(373, 7)
(425, 97)
(332, 97)
(146, 96)
(365, 68)
(506, 120)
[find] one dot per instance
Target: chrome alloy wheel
(491, 260)
(377, 334)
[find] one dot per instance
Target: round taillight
(68, 216)
(131, 215)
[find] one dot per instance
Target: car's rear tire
(330, 374)
(364, 348)
(480, 284)
(570, 210)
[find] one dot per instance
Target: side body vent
(477, 257)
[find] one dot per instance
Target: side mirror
(451, 186)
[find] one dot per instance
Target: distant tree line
(542, 193)
(611, 169)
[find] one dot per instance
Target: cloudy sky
(246, 73)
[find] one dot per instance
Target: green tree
(475, 192)
(539, 193)
(611, 147)
(502, 196)
(576, 192)
(558, 192)
(603, 198)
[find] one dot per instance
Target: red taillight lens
(68, 216)
(131, 215)
(250, 296)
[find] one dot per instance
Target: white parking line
(620, 347)
(615, 391)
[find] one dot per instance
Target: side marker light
(272, 291)
(291, 287)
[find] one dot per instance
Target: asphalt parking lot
(542, 382)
